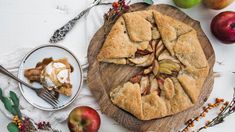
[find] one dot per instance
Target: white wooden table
(27, 23)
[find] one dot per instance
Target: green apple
(186, 3)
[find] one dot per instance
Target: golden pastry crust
(179, 59)
(170, 29)
(126, 37)
(128, 98)
(138, 28)
(150, 106)
(189, 51)
(155, 106)
(116, 61)
(117, 44)
(142, 45)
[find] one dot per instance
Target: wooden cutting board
(102, 77)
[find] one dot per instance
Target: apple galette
(174, 64)
(53, 74)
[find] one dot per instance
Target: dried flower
(226, 109)
(115, 5)
(118, 8)
(126, 7)
(190, 122)
(26, 125)
(44, 125)
(218, 100)
(226, 103)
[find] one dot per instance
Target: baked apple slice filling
(159, 65)
(156, 77)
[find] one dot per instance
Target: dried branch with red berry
(226, 109)
(118, 8)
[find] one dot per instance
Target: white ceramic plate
(56, 52)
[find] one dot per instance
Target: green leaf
(17, 110)
(8, 105)
(14, 112)
(1, 96)
(150, 2)
(12, 127)
(11, 104)
(14, 98)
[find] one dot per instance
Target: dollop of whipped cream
(55, 73)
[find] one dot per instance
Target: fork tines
(48, 97)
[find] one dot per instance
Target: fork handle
(60, 33)
(6, 72)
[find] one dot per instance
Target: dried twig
(227, 109)
(190, 122)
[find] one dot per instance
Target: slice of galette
(174, 64)
(52, 74)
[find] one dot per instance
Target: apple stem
(233, 25)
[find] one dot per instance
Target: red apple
(223, 26)
(83, 119)
(217, 4)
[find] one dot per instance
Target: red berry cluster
(190, 123)
(24, 124)
(43, 125)
(119, 7)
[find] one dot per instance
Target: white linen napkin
(92, 21)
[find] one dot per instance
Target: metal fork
(43, 92)
(60, 33)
